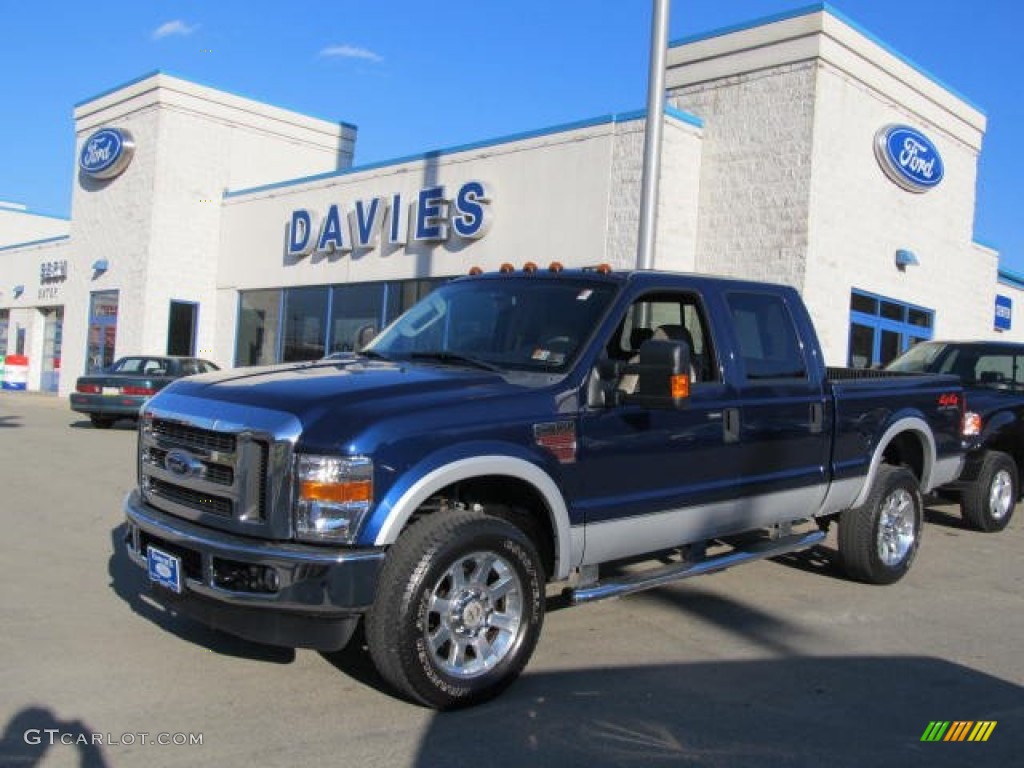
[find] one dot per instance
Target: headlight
(333, 496)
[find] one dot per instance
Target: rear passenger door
(779, 421)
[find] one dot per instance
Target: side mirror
(663, 375)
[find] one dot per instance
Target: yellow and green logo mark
(959, 730)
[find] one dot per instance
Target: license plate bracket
(164, 569)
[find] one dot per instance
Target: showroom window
(292, 324)
(881, 329)
(259, 318)
(305, 324)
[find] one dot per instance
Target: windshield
(510, 323)
(918, 359)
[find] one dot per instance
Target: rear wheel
(101, 422)
(987, 504)
(878, 541)
(458, 610)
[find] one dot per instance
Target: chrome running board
(636, 582)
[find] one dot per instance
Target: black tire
(987, 503)
(878, 541)
(433, 651)
(101, 422)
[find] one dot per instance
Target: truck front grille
(203, 474)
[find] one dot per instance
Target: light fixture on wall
(18, 290)
(906, 259)
(99, 267)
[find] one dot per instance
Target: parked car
(119, 391)
(993, 377)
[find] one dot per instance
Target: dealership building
(797, 149)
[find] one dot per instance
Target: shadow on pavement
(34, 731)
(121, 425)
(129, 582)
(839, 711)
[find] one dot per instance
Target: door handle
(817, 418)
(731, 425)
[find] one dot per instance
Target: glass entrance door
(102, 331)
(53, 331)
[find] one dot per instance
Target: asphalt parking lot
(780, 663)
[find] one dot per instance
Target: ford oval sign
(909, 158)
(106, 153)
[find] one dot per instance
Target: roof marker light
(555, 266)
(529, 267)
(475, 271)
(506, 268)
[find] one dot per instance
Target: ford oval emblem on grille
(182, 463)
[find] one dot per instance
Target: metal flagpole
(652, 136)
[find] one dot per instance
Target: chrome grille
(194, 437)
(217, 505)
(202, 474)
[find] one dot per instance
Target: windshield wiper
(457, 359)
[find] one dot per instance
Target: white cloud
(351, 52)
(176, 27)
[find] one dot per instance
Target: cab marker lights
(529, 267)
(555, 266)
(474, 271)
(506, 268)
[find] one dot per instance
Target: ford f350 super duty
(517, 430)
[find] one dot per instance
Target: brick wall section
(755, 172)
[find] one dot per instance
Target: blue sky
(415, 76)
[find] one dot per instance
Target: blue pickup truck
(518, 431)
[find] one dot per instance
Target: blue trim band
(30, 243)
(1012, 279)
(683, 117)
(619, 117)
(745, 25)
(832, 11)
(983, 244)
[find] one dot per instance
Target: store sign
(51, 275)
(53, 271)
(106, 153)
(1004, 313)
(432, 216)
(909, 158)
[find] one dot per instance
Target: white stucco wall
(20, 225)
(158, 223)
(791, 190)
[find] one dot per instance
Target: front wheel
(987, 505)
(458, 610)
(878, 541)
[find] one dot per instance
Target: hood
(337, 400)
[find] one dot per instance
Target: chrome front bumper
(314, 599)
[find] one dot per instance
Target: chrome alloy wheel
(473, 614)
(896, 527)
(1000, 495)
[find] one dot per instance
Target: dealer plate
(164, 569)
